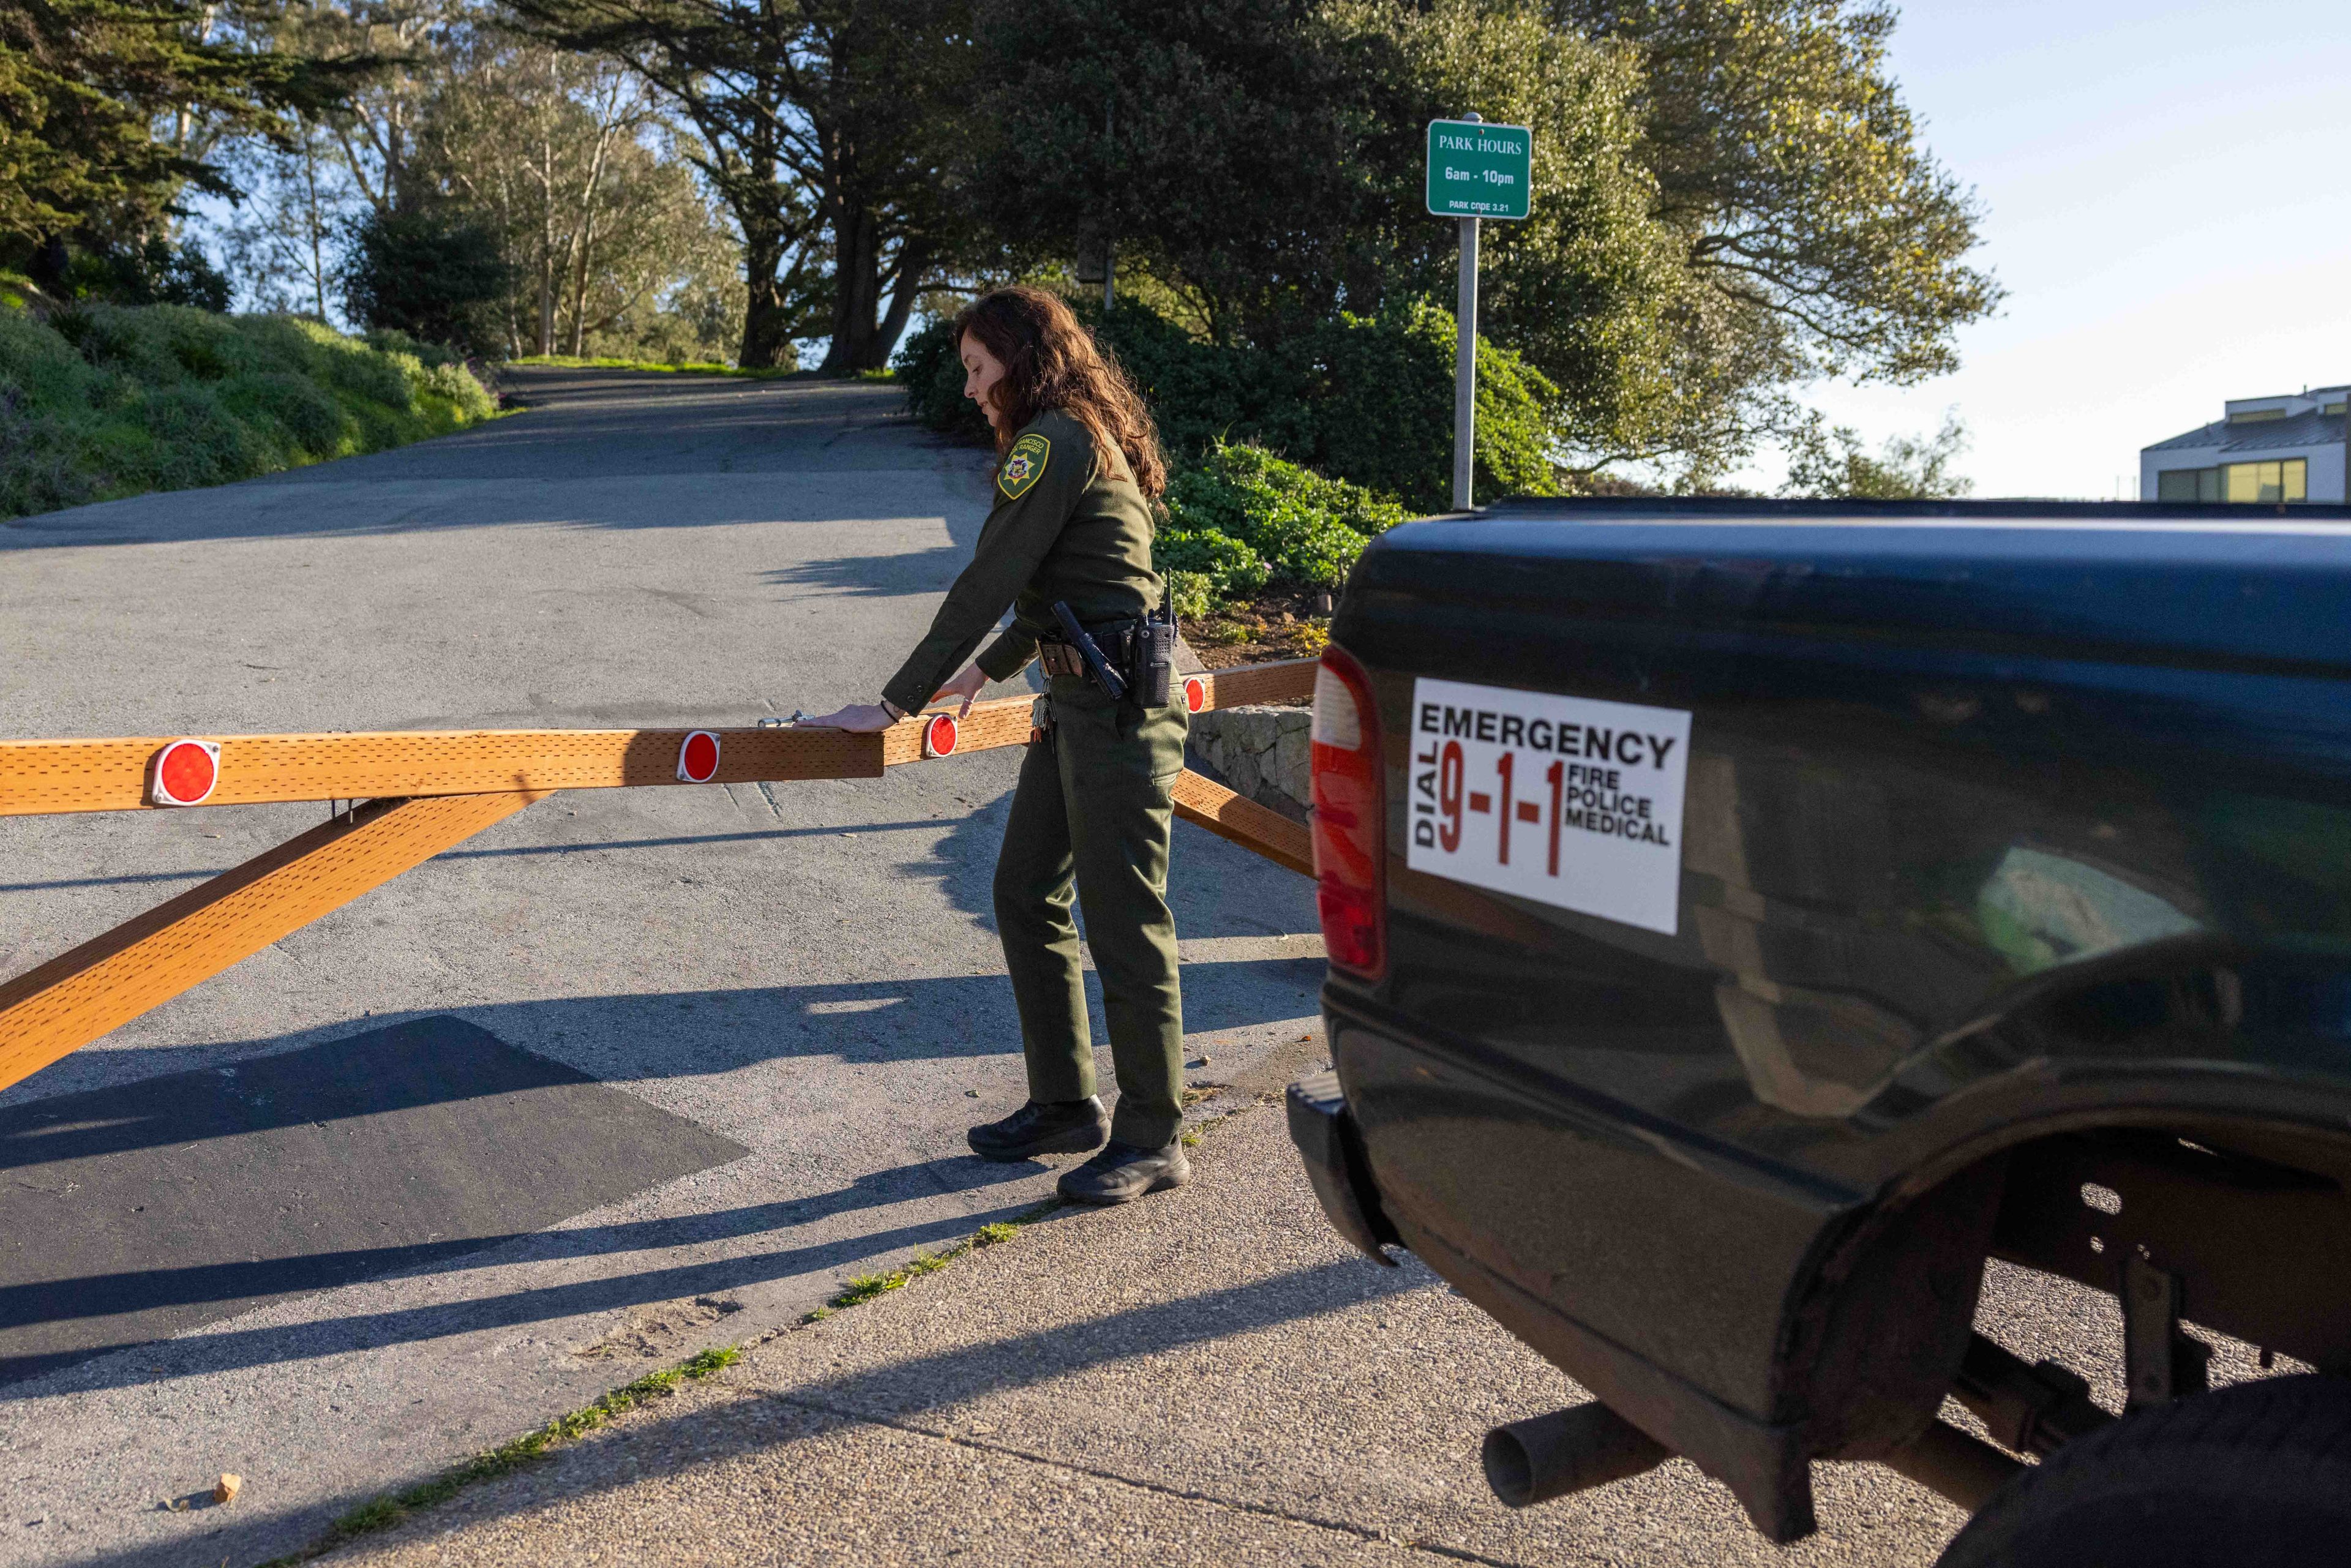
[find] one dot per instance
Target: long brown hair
(1050, 360)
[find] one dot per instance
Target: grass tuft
(863, 1288)
(383, 1513)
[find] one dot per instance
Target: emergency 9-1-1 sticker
(1561, 799)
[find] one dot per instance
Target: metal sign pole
(1465, 362)
(1465, 370)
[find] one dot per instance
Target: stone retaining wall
(1261, 752)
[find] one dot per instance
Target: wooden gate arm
(39, 776)
(45, 776)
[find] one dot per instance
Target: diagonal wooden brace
(77, 997)
(1208, 804)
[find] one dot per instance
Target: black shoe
(1062, 1127)
(1122, 1173)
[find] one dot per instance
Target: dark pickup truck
(1747, 918)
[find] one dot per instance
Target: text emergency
(1563, 799)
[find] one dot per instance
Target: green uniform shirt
(1061, 529)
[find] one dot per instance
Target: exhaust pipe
(1960, 1466)
(1533, 1462)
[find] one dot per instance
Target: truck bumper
(1334, 1155)
(1764, 1463)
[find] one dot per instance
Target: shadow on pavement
(906, 1389)
(299, 1171)
(875, 576)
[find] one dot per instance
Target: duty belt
(1112, 637)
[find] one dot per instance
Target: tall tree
(1235, 148)
(561, 155)
(85, 86)
(824, 125)
(397, 53)
(284, 243)
(1592, 287)
(1731, 198)
(1784, 155)
(1829, 461)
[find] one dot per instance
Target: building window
(2188, 484)
(2287, 480)
(2255, 415)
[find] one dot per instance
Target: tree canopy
(84, 85)
(825, 125)
(1732, 200)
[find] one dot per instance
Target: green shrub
(1306, 529)
(297, 414)
(107, 400)
(1229, 567)
(1191, 594)
(429, 274)
(1374, 402)
(930, 369)
(151, 272)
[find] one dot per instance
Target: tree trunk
(856, 294)
(860, 341)
(763, 323)
(580, 304)
(913, 260)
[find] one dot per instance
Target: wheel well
(2254, 1220)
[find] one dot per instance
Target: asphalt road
(632, 1073)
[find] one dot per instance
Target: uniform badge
(1023, 466)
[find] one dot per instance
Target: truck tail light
(1350, 819)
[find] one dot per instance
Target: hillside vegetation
(106, 401)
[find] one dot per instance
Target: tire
(2257, 1476)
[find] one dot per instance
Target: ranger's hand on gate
(861, 718)
(965, 686)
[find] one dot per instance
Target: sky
(2167, 199)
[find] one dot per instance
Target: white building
(2262, 449)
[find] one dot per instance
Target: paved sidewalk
(1206, 1377)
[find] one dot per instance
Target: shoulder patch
(1023, 466)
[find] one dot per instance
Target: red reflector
(1350, 819)
(185, 772)
(697, 758)
(939, 737)
(1195, 694)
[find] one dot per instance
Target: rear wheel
(2257, 1476)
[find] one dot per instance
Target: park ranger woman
(1077, 464)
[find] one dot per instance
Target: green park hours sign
(1479, 171)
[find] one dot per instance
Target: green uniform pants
(1093, 807)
